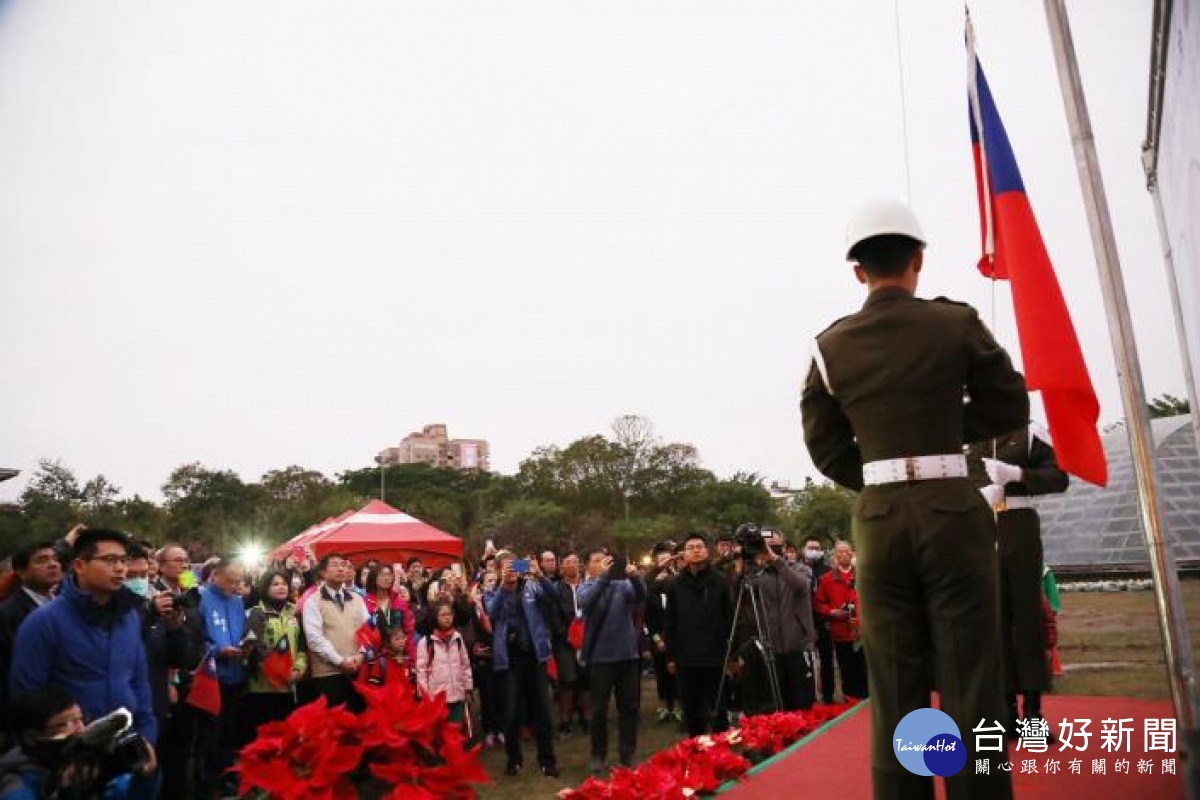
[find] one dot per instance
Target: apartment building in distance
(432, 445)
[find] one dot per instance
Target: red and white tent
(306, 536)
(384, 533)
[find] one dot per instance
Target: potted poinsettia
(398, 748)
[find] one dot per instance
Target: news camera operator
(54, 756)
(787, 635)
(89, 641)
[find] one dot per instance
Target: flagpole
(1185, 694)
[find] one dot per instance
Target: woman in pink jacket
(443, 664)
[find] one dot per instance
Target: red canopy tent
(381, 532)
(306, 536)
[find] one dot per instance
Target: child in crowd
(443, 664)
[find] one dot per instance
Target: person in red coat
(836, 601)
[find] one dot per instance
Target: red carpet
(841, 753)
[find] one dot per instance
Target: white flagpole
(1185, 694)
(985, 178)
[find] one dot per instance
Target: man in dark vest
(884, 414)
(1011, 470)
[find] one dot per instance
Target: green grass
(1120, 629)
(573, 754)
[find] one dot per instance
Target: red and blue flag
(205, 693)
(1013, 250)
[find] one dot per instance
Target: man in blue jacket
(611, 653)
(224, 617)
(520, 649)
(88, 640)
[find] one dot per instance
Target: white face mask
(813, 554)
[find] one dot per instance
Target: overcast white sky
(259, 234)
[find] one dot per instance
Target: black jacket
(13, 612)
(699, 616)
(166, 649)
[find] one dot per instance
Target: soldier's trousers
(1024, 635)
(928, 584)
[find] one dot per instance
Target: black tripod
(751, 576)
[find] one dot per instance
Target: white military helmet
(882, 217)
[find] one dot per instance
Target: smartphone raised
(521, 566)
(617, 570)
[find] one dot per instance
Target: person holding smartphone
(520, 649)
(609, 599)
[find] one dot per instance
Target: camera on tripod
(751, 539)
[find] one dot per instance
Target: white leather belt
(1017, 501)
(914, 468)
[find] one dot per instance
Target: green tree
(531, 525)
(213, 507)
(1168, 405)
(632, 536)
(819, 510)
(140, 517)
(52, 501)
(723, 505)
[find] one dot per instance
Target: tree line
(627, 487)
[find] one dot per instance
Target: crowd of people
(534, 647)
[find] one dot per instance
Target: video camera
(751, 539)
(109, 745)
(187, 600)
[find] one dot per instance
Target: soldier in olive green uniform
(1010, 470)
(884, 413)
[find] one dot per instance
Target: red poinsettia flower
(310, 770)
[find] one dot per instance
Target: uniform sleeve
(1041, 475)
(828, 434)
(997, 402)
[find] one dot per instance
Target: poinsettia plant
(703, 764)
(398, 748)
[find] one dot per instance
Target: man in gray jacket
(786, 595)
(611, 598)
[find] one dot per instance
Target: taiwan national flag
(206, 691)
(1013, 250)
(277, 666)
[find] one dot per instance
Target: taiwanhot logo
(927, 742)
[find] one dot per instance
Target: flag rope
(903, 103)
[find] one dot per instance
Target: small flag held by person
(277, 666)
(206, 691)
(1013, 250)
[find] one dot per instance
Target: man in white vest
(332, 617)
